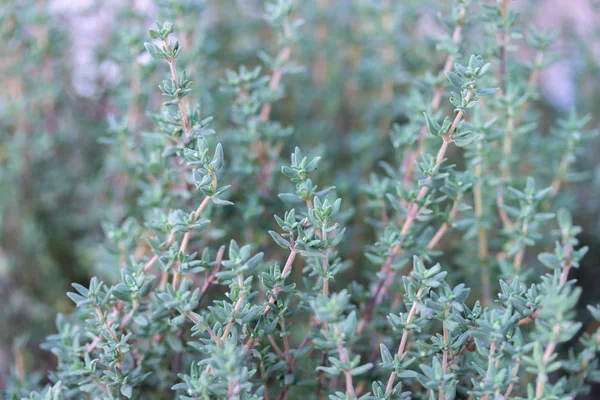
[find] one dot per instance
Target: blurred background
(71, 71)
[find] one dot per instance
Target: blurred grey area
(89, 21)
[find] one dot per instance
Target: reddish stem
(171, 62)
(286, 270)
(404, 339)
(438, 92)
(413, 213)
(186, 239)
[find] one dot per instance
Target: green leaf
(217, 161)
(386, 355)
(433, 127)
(549, 260)
(290, 198)
(486, 91)
(279, 240)
(361, 370)
(454, 79)
(127, 391)
(155, 52)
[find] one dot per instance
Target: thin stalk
(182, 110)
(286, 271)
(129, 315)
(209, 279)
(529, 319)
(262, 377)
(502, 45)
(518, 260)
(154, 259)
(435, 102)
(446, 339)
(531, 83)
(266, 166)
(325, 265)
(212, 333)
(19, 364)
(507, 150)
(444, 228)
(233, 390)
(488, 375)
(565, 271)
(344, 359)
(284, 56)
(108, 326)
(286, 345)
(562, 169)
(186, 128)
(276, 347)
(404, 339)
(186, 239)
(514, 377)
(482, 237)
(413, 213)
(97, 340)
(542, 378)
(387, 57)
(303, 344)
(236, 309)
(508, 140)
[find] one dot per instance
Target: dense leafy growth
(436, 268)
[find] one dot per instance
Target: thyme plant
(438, 265)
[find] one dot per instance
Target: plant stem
(507, 150)
(186, 239)
(154, 259)
(171, 62)
(551, 346)
(502, 45)
(276, 347)
(518, 261)
(286, 271)
(514, 377)
(286, 344)
(444, 355)
(266, 166)
(108, 326)
(530, 318)
(482, 237)
(413, 213)
(531, 83)
(325, 265)
(488, 374)
(212, 333)
(435, 103)
(236, 309)
(129, 315)
(442, 229)
(563, 168)
(542, 377)
(404, 339)
(564, 275)
(274, 82)
(344, 359)
(303, 344)
(209, 279)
